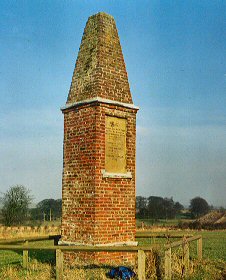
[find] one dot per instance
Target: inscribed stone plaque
(115, 145)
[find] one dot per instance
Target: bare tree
(16, 202)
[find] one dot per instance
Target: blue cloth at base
(121, 272)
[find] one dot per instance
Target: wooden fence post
(59, 264)
(186, 255)
(56, 239)
(168, 270)
(25, 256)
(141, 265)
(199, 248)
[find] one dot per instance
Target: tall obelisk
(99, 144)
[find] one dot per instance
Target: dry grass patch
(86, 273)
(35, 271)
(204, 270)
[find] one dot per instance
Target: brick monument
(98, 196)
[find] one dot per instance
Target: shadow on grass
(42, 256)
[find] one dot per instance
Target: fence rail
(61, 249)
(4, 245)
(142, 234)
(139, 234)
(32, 238)
(186, 255)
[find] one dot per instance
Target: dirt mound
(212, 217)
(222, 220)
(212, 221)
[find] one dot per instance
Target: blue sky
(175, 53)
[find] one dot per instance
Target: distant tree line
(16, 207)
(17, 200)
(47, 210)
(156, 207)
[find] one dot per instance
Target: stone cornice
(99, 100)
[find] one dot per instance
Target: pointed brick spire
(100, 68)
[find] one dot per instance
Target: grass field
(42, 262)
(163, 222)
(214, 242)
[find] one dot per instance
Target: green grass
(212, 267)
(214, 245)
(214, 242)
(15, 257)
(163, 222)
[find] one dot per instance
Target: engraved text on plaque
(115, 145)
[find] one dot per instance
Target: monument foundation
(98, 194)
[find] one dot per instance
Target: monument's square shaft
(99, 143)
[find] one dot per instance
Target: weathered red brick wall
(27, 231)
(115, 197)
(111, 258)
(96, 209)
(78, 194)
